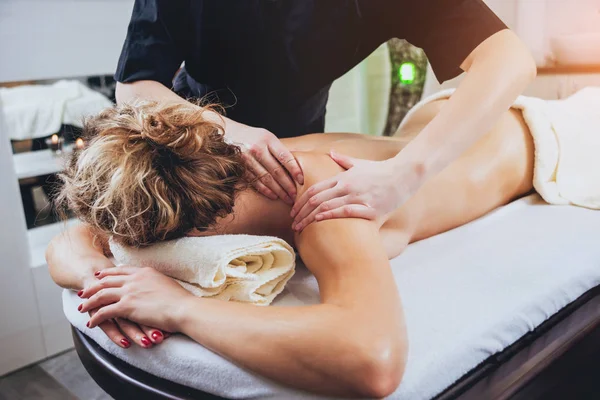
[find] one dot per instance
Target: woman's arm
(75, 255)
(73, 258)
(352, 344)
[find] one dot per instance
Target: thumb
(345, 162)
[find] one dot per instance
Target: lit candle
(55, 142)
(79, 144)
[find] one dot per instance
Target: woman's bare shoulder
(316, 166)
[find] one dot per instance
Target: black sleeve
(449, 30)
(156, 42)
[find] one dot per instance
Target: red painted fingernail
(125, 343)
(156, 335)
(145, 341)
(80, 293)
(97, 273)
(80, 307)
(87, 324)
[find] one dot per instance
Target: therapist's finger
(256, 164)
(276, 167)
(317, 200)
(277, 179)
(287, 159)
(258, 185)
(325, 206)
(348, 211)
(310, 192)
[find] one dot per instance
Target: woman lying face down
(156, 172)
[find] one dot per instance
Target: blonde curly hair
(152, 172)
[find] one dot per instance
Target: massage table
(505, 307)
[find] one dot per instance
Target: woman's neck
(254, 214)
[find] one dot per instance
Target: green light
(407, 72)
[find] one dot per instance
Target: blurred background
(57, 58)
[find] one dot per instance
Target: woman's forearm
(318, 348)
(497, 72)
(74, 256)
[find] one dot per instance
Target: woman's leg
(494, 171)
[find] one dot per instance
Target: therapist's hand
(368, 190)
(271, 166)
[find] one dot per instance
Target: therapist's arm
(498, 70)
(269, 161)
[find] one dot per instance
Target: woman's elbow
(50, 254)
(52, 262)
(379, 367)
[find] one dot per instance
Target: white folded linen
(33, 111)
(245, 268)
(566, 136)
(467, 294)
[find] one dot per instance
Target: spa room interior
(529, 332)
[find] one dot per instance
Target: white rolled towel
(244, 268)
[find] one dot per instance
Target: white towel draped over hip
(245, 268)
(566, 136)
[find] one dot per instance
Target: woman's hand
(368, 190)
(142, 295)
(123, 333)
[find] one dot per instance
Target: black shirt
(271, 62)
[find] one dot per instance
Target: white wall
(21, 339)
(45, 39)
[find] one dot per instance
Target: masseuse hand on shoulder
(271, 166)
(368, 189)
(498, 70)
